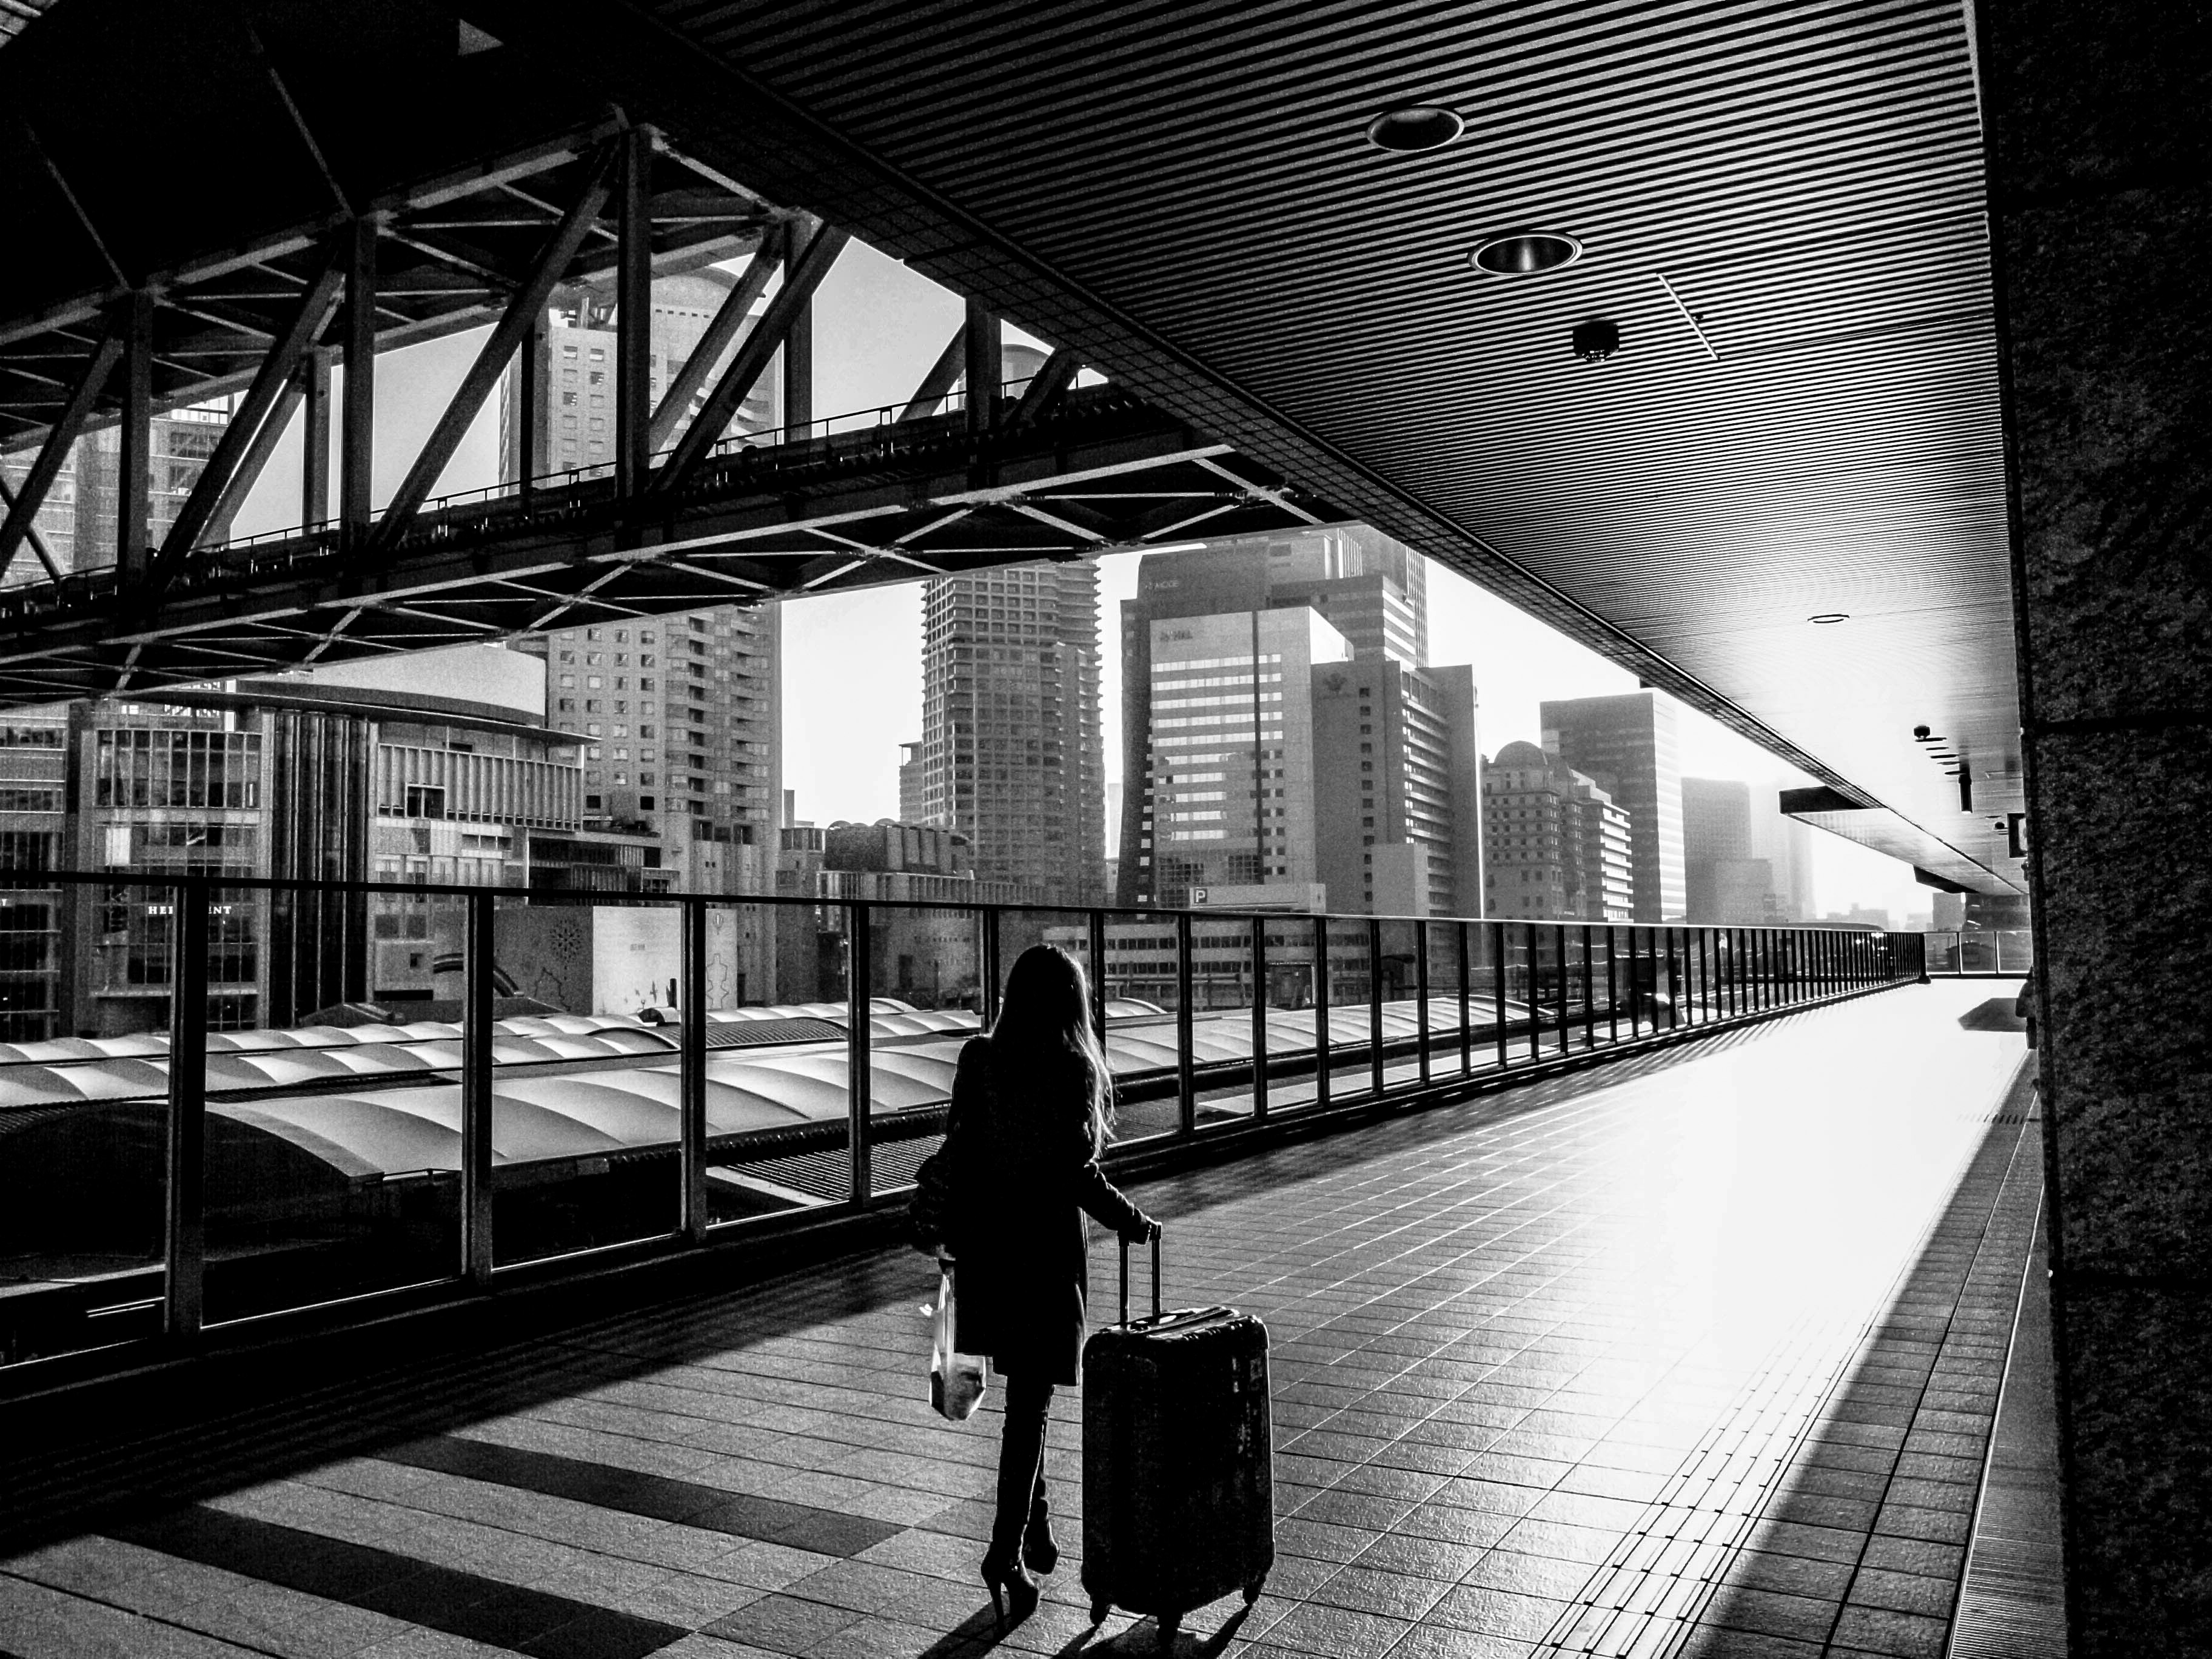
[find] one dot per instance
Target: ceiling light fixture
(1525, 252)
(1828, 617)
(1413, 129)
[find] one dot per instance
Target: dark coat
(1027, 1174)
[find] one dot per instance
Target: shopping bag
(956, 1379)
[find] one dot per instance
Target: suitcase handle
(1156, 1277)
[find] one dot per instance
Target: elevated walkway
(1697, 1352)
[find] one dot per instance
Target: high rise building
(1012, 753)
(1397, 788)
(679, 718)
(1723, 881)
(1786, 844)
(575, 350)
(1233, 771)
(1555, 847)
(1386, 833)
(77, 520)
(1627, 745)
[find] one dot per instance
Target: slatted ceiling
(1808, 178)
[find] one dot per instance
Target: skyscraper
(679, 717)
(77, 520)
(1627, 745)
(1011, 755)
(1723, 881)
(1371, 591)
(1555, 847)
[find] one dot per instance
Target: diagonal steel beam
(303, 328)
(40, 479)
(752, 357)
(31, 534)
(491, 362)
(752, 283)
(1053, 376)
(256, 460)
(938, 384)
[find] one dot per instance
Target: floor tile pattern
(1693, 1355)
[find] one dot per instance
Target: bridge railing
(225, 1100)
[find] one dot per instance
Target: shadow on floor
(1997, 1014)
(135, 1445)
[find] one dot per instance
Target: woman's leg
(1021, 1464)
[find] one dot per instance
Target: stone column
(2099, 124)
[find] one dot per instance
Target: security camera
(1595, 340)
(1920, 734)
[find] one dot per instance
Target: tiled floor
(1696, 1355)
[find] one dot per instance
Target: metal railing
(1972, 952)
(456, 1151)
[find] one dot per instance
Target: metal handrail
(1527, 995)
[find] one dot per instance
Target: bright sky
(852, 669)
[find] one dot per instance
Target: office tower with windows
(1555, 846)
(1011, 754)
(77, 522)
(678, 718)
(1725, 879)
(1232, 748)
(574, 348)
(1397, 788)
(1627, 745)
(1398, 836)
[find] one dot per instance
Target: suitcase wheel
(1252, 1590)
(1099, 1611)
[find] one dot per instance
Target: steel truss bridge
(683, 516)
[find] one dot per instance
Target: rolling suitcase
(1178, 1476)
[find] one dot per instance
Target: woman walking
(1031, 1104)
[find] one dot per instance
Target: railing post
(1259, 1019)
(1589, 994)
(1705, 975)
(691, 1099)
(1421, 994)
(987, 932)
(1186, 1060)
(1098, 937)
(1535, 1000)
(475, 1092)
(1497, 989)
(858, 1085)
(1673, 979)
(1374, 1006)
(1321, 1011)
(1611, 984)
(1560, 948)
(183, 1288)
(1465, 1008)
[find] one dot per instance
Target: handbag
(956, 1380)
(929, 1212)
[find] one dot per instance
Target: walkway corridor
(1696, 1354)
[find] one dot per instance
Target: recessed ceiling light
(1525, 252)
(1828, 617)
(1417, 127)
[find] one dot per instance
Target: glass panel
(1399, 970)
(926, 975)
(1291, 1015)
(1348, 1026)
(1142, 992)
(778, 1131)
(1452, 1013)
(1225, 989)
(586, 1074)
(83, 1114)
(333, 1146)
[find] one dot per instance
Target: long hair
(1047, 1013)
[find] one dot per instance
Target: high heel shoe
(1012, 1588)
(1040, 1549)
